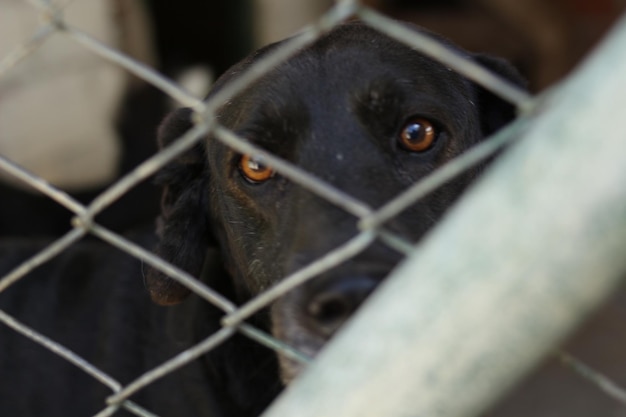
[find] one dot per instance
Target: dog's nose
(335, 302)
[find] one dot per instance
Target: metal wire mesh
(370, 220)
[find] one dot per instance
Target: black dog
(357, 109)
(92, 300)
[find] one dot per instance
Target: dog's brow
(377, 95)
(386, 102)
(274, 123)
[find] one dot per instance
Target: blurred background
(81, 122)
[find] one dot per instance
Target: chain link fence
(370, 220)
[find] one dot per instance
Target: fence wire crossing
(370, 221)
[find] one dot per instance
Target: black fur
(335, 109)
(91, 300)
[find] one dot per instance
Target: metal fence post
(537, 244)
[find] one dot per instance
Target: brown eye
(253, 170)
(417, 135)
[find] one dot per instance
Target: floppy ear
(182, 227)
(495, 112)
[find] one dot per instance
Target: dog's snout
(334, 303)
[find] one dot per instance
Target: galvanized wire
(40, 185)
(461, 64)
(154, 261)
(295, 174)
(24, 50)
(173, 364)
(371, 222)
(605, 384)
(42, 257)
(63, 352)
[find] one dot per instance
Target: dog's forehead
(352, 59)
(353, 55)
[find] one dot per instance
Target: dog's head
(358, 110)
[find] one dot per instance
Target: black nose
(335, 302)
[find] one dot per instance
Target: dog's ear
(495, 112)
(182, 227)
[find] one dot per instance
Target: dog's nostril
(327, 309)
(335, 303)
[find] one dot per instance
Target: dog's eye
(417, 135)
(254, 170)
